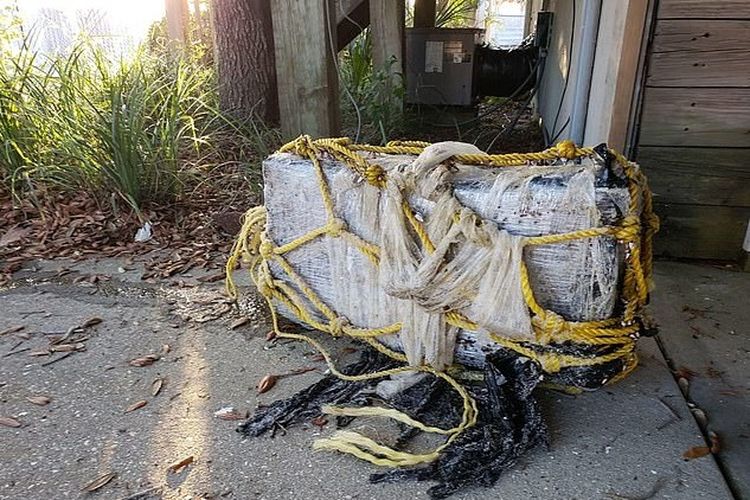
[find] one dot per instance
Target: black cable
(497, 106)
(567, 76)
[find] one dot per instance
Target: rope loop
(336, 325)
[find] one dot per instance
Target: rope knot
(375, 174)
(266, 249)
(335, 226)
(566, 149)
(337, 324)
(551, 327)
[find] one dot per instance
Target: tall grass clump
(136, 129)
(372, 99)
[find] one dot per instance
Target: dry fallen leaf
(156, 386)
(146, 360)
(230, 413)
(319, 421)
(165, 349)
(12, 329)
(9, 422)
(715, 442)
(270, 336)
(42, 352)
(178, 466)
(136, 405)
(238, 323)
(349, 350)
(38, 400)
(685, 372)
(317, 357)
(92, 322)
(99, 482)
(267, 383)
(696, 452)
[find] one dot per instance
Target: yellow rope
(612, 338)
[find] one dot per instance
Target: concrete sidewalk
(623, 442)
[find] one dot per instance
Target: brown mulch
(195, 231)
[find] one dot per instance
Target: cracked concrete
(622, 442)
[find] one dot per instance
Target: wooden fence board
(702, 176)
(701, 232)
(696, 117)
(706, 9)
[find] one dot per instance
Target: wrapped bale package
(441, 254)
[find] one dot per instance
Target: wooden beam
(387, 25)
(305, 67)
(352, 16)
(425, 12)
(177, 19)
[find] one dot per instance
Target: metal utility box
(440, 67)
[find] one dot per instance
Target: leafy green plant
(138, 129)
(372, 99)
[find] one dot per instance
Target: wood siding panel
(701, 232)
(692, 35)
(696, 117)
(699, 176)
(728, 68)
(706, 9)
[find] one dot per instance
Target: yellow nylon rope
(617, 336)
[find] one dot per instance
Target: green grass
(134, 131)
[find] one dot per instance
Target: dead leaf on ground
(349, 350)
(176, 467)
(317, 357)
(165, 349)
(715, 442)
(146, 360)
(41, 352)
(13, 235)
(38, 400)
(696, 452)
(211, 278)
(319, 421)
(156, 386)
(10, 422)
(99, 482)
(685, 372)
(238, 323)
(136, 405)
(231, 414)
(267, 383)
(92, 322)
(270, 336)
(12, 329)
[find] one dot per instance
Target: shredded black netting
(509, 421)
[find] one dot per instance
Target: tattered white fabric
(477, 219)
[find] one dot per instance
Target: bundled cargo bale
(441, 253)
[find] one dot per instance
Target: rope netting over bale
(414, 257)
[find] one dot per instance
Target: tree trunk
(243, 48)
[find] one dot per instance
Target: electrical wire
(495, 107)
(335, 55)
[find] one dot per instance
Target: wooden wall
(694, 142)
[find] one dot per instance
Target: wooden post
(304, 38)
(177, 19)
(424, 13)
(387, 25)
